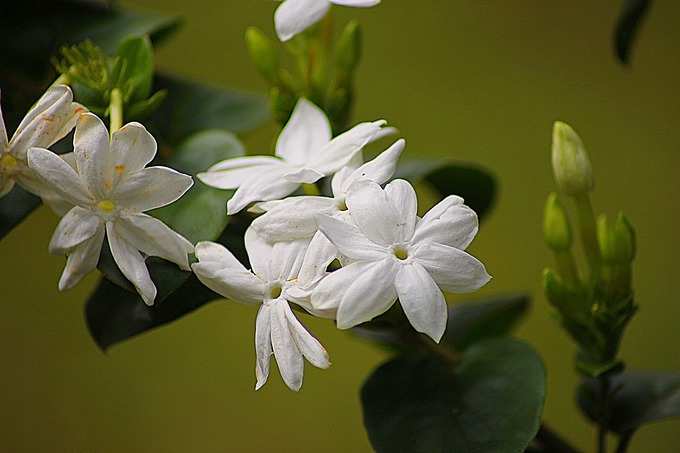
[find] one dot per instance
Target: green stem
(624, 442)
(604, 414)
(63, 79)
(588, 228)
(116, 110)
(566, 267)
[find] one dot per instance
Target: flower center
(8, 163)
(400, 252)
(274, 291)
(106, 206)
(341, 204)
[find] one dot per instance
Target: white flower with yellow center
(47, 122)
(110, 188)
(295, 16)
(396, 255)
(275, 272)
(305, 153)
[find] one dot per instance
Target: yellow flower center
(275, 291)
(106, 206)
(8, 163)
(341, 205)
(400, 252)
(119, 169)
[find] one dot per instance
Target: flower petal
(268, 185)
(449, 222)
(231, 173)
(309, 346)
(133, 148)
(155, 238)
(131, 264)
(94, 160)
(59, 176)
(259, 253)
(76, 227)
(292, 218)
(374, 213)
(217, 253)
(349, 240)
(403, 198)
(378, 170)
(303, 176)
(356, 3)
(306, 132)
(422, 301)
(288, 356)
(6, 185)
(152, 188)
(295, 16)
(286, 259)
(82, 260)
(452, 269)
(263, 345)
(339, 151)
(320, 253)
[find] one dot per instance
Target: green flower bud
(348, 48)
(263, 53)
(617, 241)
(556, 229)
(571, 164)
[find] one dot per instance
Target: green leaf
(468, 323)
(137, 55)
(142, 109)
(637, 398)
(192, 107)
(491, 401)
(14, 208)
(632, 14)
(475, 185)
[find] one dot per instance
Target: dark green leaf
(636, 398)
(137, 55)
(14, 208)
(474, 184)
(491, 401)
(192, 107)
(627, 27)
(142, 109)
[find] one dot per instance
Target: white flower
(305, 153)
(395, 254)
(295, 16)
(47, 122)
(110, 189)
(275, 273)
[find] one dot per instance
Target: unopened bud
(556, 229)
(617, 240)
(348, 48)
(571, 164)
(263, 53)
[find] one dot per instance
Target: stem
(63, 79)
(567, 267)
(624, 441)
(116, 110)
(586, 222)
(604, 409)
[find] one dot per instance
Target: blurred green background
(478, 81)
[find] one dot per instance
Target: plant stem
(624, 441)
(567, 267)
(63, 79)
(586, 222)
(116, 110)
(604, 414)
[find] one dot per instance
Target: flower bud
(571, 164)
(556, 228)
(617, 241)
(263, 53)
(348, 48)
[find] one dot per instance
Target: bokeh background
(478, 81)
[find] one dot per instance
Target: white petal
(292, 218)
(349, 240)
(93, 157)
(155, 238)
(231, 173)
(76, 227)
(320, 253)
(341, 180)
(404, 202)
(374, 213)
(288, 356)
(217, 253)
(344, 147)
(449, 222)
(422, 301)
(295, 16)
(132, 147)
(59, 176)
(266, 186)
(263, 345)
(356, 3)
(48, 121)
(307, 131)
(310, 347)
(131, 264)
(378, 170)
(286, 259)
(82, 260)
(303, 176)
(452, 269)
(151, 188)
(259, 253)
